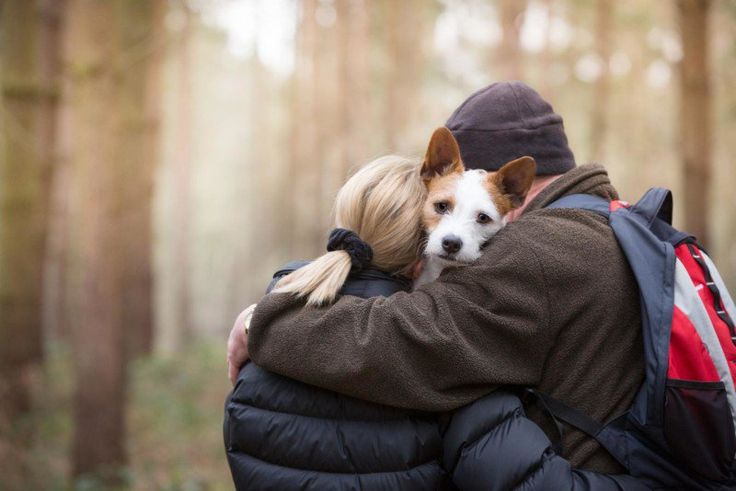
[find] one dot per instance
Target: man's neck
(537, 187)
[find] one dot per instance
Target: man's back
(596, 362)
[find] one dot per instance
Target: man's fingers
(237, 354)
(232, 373)
(234, 357)
(237, 345)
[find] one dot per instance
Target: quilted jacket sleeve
(491, 445)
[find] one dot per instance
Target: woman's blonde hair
(382, 203)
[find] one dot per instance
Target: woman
(284, 435)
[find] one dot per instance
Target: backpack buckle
(618, 204)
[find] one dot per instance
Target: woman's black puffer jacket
(283, 435)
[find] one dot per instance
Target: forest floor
(174, 418)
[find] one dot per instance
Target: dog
(465, 208)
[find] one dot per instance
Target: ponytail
(378, 214)
(320, 281)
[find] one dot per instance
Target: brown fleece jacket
(551, 303)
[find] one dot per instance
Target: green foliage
(174, 420)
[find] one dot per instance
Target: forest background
(159, 159)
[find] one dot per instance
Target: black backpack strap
(559, 411)
(562, 412)
(528, 395)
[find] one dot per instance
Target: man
(551, 304)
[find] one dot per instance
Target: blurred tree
(601, 92)
(55, 302)
(509, 56)
(723, 65)
(408, 28)
(327, 102)
(305, 162)
(105, 46)
(143, 42)
(400, 68)
(353, 24)
(175, 321)
(695, 114)
(29, 32)
(546, 56)
(263, 181)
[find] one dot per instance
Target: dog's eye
(441, 207)
(483, 218)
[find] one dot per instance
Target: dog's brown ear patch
(443, 155)
(514, 179)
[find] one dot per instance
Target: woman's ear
(416, 268)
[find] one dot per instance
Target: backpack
(680, 429)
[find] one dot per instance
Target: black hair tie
(359, 251)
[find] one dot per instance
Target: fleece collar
(586, 179)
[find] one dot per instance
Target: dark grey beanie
(508, 120)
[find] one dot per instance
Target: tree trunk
(55, 305)
(30, 74)
(546, 88)
(305, 194)
(174, 325)
(56, 312)
(143, 31)
(509, 54)
(183, 175)
(695, 115)
(94, 45)
(327, 100)
(598, 124)
(405, 35)
(394, 117)
(354, 84)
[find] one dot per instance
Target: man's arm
(437, 348)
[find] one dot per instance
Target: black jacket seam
(241, 403)
(398, 471)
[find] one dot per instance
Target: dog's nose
(451, 244)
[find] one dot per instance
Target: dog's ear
(443, 155)
(515, 178)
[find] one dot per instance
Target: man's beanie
(508, 120)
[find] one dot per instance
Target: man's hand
(237, 344)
